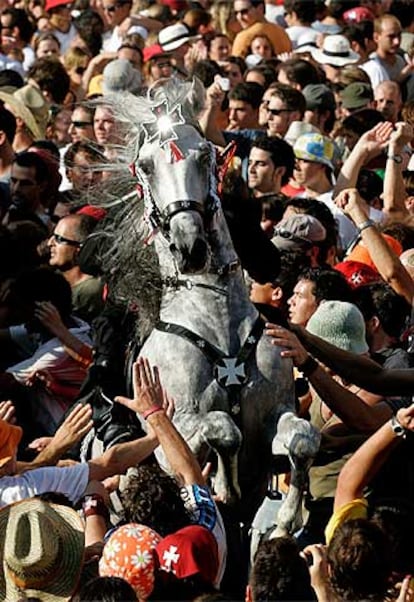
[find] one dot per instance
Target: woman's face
(262, 47)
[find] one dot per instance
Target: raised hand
(75, 426)
(351, 203)
(285, 338)
(7, 411)
(148, 391)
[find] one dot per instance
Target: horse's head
(175, 165)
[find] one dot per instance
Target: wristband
(94, 505)
(398, 428)
(367, 224)
(396, 158)
(308, 367)
(152, 410)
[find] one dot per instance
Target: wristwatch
(395, 158)
(398, 429)
(364, 225)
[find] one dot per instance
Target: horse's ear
(196, 95)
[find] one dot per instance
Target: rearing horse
(230, 385)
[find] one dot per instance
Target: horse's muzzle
(192, 260)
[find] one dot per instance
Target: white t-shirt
(69, 480)
(300, 33)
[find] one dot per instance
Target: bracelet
(94, 505)
(308, 367)
(395, 158)
(367, 224)
(151, 411)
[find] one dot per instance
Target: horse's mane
(129, 264)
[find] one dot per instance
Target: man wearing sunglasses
(115, 13)
(64, 246)
(251, 16)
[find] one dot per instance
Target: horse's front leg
(224, 438)
(300, 441)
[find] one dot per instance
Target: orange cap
(9, 440)
(360, 252)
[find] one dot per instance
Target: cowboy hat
(29, 104)
(42, 551)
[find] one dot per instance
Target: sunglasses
(81, 124)
(277, 112)
(61, 240)
(243, 11)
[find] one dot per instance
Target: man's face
(131, 55)
(261, 171)
(64, 244)
(82, 174)
(241, 115)
(302, 304)
(388, 102)
(9, 35)
(389, 39)
(103, 125)
(279, 117)
(81, 125)
(307, 173)
(232, 71)
(24, 189)
(115, 12)
(220, 49)
(245, 13)
(263, 114)
(61, 18)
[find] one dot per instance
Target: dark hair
(237, 60)
(206, 71)
(9, 77)
(361, 121)
(378, 299)
(51, 77)
(301, 72)
(7, 124)
(47, 145)
(292, 264)
(359, 32)
(328, 284)
(249, 92)
(401, 232)
(369, 185)
(152, 498)
(84, 224)
(273, 206)
(324, 215)
(20, 20)
(293, 99)
(268, 73)
(43, 284)
(280, 152)
(305, 10)
(90, 27)
(46, 36)
(280, 573)
(28, 159)
(94, 152)
(403, 10)
(359, 558)
(108, 589)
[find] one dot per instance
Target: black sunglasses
(81, 124)
(61, 240)
(277, 112)
(243, 11)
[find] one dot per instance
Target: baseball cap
(315, 147)
(152, 52)
(120, 76)
(358, 14)
(56, 3)
(319, 96)
(356, 95)
(298, 231)
(356, 273)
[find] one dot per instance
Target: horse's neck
(216, 307)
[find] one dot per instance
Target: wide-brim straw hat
(42, 551)
(29, 104)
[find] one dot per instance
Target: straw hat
(29, 104)
(9, 440)
(42, 551)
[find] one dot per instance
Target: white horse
(229, 383)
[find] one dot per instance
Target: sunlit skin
(48, 48)
(81, 126)
(232, 71)
(220, 49)
(241, 115)
(64, 256)
(115, 13)
(103, 125)
(307, 173)
(278, 125)
(302, 304)
(263, 114)
(82, 174)
(261, 46)
(261, 171)
(388, 40)
(160, 67)
(246, 15)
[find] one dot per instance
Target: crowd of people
(314, 104)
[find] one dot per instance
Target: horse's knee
(220, 431)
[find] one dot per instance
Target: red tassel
(175, 151)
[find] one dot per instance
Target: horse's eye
(145, 165)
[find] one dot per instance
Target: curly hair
(152, 497)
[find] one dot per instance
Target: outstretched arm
(366, 462)
(394, 189)
(386, 261)
(358, 369)
(350, 408)
(208, 118)
(148, 401)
